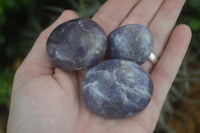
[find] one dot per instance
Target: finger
(164, 22)
(143, 13)
(37, 61)
(109, 16)
(112, 13)
(166, 69)
(162, 25)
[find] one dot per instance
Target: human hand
(47, 100)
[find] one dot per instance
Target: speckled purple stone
(131, 42)
(76, 44)
(117, 89)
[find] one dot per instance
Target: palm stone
(76, 44)
(117, 89)
(131, 42)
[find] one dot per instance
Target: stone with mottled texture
(117, 89)
(132, 42)
(76, 44)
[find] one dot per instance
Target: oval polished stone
(117, 89)
(76, 44)
(131, 42)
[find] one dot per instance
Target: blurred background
(21, 21)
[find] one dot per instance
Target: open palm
(47, 100)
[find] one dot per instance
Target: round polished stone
(131, 42)
(117, 89)
(76, 44)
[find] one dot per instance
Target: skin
(47, 100)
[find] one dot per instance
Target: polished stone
(131, 42)
(117, 89)
(76, 44)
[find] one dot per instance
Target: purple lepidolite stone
(131, 42)
(76, 44)
(117, 89)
